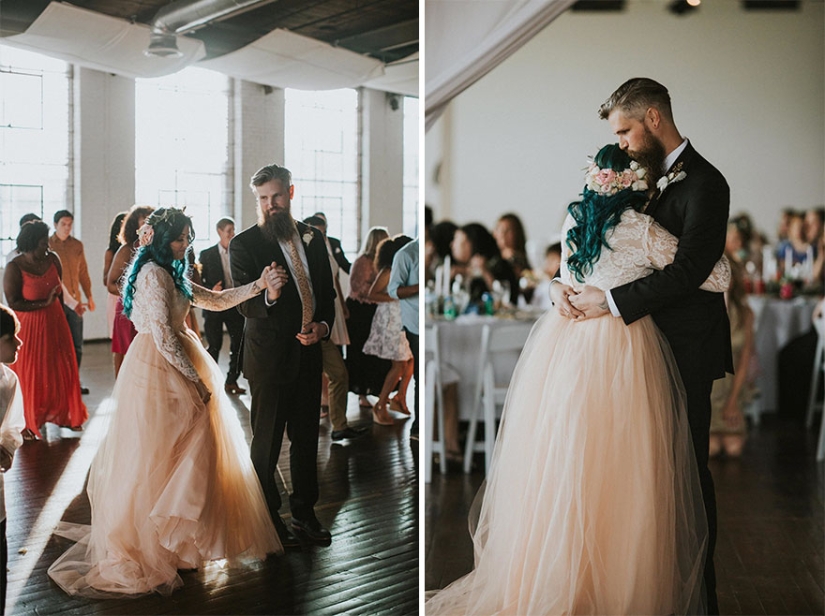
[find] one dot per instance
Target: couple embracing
(173, 484)
(612, 510)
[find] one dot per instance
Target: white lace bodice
(160, 309)
(639, 246)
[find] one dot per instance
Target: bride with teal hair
(592, 504)
(172, 485)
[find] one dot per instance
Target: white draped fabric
(466, 39)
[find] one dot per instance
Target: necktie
(303, 284)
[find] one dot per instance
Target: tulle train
(171, 486)
(592, 504)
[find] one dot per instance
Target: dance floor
(769, 555)
(369, 501)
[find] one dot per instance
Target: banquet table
(460, 342)
(776, 323)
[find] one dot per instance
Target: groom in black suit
(691, 201)
(281, 353)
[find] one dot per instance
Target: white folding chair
(819, 371)
(437, 375)
(490, 395)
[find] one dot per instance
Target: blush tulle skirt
(172, 485)
(592, 504)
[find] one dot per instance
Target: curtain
(466, 39)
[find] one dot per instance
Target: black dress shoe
(312, 531)
(84, 390)
(288, 540)
(347, 432)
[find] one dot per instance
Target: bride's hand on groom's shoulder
(591, 302)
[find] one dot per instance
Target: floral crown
(608, 182)
(146, 233)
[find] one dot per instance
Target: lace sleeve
(223, 300)
(661, 247)
(156, 303)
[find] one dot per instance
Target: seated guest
(815, 236)
(478, 259)
(796, 245)
(33, 290)
(737, 242)
(552, 262)
(512, 243)
(438, 246)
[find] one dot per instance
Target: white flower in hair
(146, 234)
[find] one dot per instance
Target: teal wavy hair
(167, 224)
(596, 214)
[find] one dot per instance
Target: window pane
(34, 139)
(182, 147)
(321, 151)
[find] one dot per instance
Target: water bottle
(489, 305)
(449, 308)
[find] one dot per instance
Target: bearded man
(691, 201)
(282, 357)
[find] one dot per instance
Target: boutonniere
(307, 236)
(676, 175)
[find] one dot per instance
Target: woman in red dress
(46, 366)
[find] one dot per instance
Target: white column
(382, 160)
(103, 173)
(258, 141)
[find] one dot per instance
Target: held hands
(274, 277)
(313, 333)
(219, 286)
(592, 301)
(203, 392)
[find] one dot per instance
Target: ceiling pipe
(185, 15)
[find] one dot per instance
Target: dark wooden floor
(769, 557)
(369, 501)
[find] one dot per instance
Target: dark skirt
(366, 372)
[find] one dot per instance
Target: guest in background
(337, 252)
(14, 253)
(123, 331)
(814, 223)
(784, 224)
(512, 243)
(216, 274)
(552, 263)
(796, 245)
(335, 369)
(403, 286)
(12, 422)
(108, 257)
(738, 239)
(478, 259)
(730, 395)
(439, 246)
(46, 367)
(387, 339)
(366, 372)
(75, 275)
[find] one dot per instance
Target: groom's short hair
(269, 173)
(635, 96)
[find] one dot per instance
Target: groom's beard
(277, 227)
(651, 156)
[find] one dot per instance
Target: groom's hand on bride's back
(560, 295)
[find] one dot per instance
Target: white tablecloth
(776, 323)
(461, 348)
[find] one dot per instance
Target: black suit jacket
(211, 267)
(338, 254)
(271, 350)
(694, 321)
